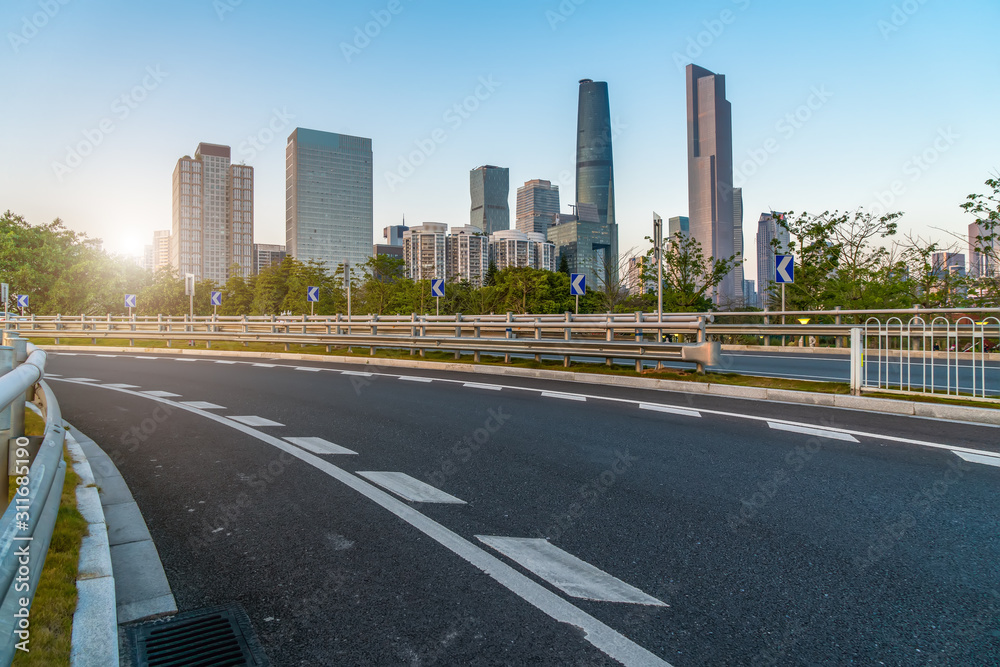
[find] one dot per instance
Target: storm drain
(218, 636)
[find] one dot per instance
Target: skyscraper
(266, 255)
(738, 244)
(329, 212)
(490, 190)
(768, 230)
(161, 249)
(212, 215)
(537, 206)
(595, 171)
(680, 224)
(425, 251)
(710, 169)
(468, 255)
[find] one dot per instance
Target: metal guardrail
(27, 524)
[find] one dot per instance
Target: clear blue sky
(896, 88)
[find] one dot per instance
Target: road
(582, 525)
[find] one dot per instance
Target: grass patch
(55, 599)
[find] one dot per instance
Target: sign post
(578, 287)
(5, 294)
(312, 296)
(216, 302)
(437, 290)
(658, 255)
(22, 302)
(130, 303)
(189, 291)
(784, 274)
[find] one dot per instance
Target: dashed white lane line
(67, 354)
(818, 432)
(409, 488)
(107, 356)
(147, 358)
(653, 407)
(319, 446)
(358, 373)
(307, 369)
(82, 380)
(266, 365)
(161, 394)
(186, 359)
(226, 363)
(253, 420)
(566, 572)
(202, 405)
(565, 397)
(978, 458)
(52, 375)
(414, 378)
(477, 385)
(113, 386)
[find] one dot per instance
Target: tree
(689, 278)
(380, 285)
(491, 275)
(986, 278)
(563, 263)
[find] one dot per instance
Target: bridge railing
(39, 471)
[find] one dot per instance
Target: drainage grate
(216, 637)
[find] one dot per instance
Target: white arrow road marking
(319, 446)
(202, 405)
(977, 458)
(567, 572)
(252, 420)
(411, 489)
(818, 432)
(670, 410)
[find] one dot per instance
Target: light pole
(658, 254)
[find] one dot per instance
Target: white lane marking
(253, 420)
(148, 358)
(566, 572)
(67, 354)
(202, 405)
(358, 373)
(818, 432)
(82, 380)
(565, 397)
(606, 639)
(319, 446)
(228, 363)
(409, 488)
(161, 394)
(977, 458)
(52, 375)
(477, 385)
(670, 410)
(266, 365)
(181, 359)
(307, 369)
(409, 378)
(107, 356)
(115, 386)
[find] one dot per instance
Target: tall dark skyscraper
(595, 172)
(710, 170)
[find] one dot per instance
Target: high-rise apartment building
(513, 248)
(490, 190)
(769, 230)
(267, 255)
(595, 170)
(984, 253)
(425, 251)
(146, 261)
(212, 215)
(329, 214)
(710, 170)
(161, 249)
(537, 206)
(468, 255)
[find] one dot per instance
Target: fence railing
(927, 355)
(39, 469)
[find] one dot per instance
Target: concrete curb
(95, 624)
(990, 416)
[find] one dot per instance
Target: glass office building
(595, 172)
(329, 210)
(537, 206)
(489, 187)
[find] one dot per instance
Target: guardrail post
(58, 327)
(568, 335)
(6, 430)
(510, 335)
(857, 360)
(610, 337)
(458, 333)
(371, 350)
(838, 341)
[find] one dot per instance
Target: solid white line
(605, 638)
(818, 432)
(252, 420)
(477, 385)
(984, 460)
(202, 405)
(567, 572)
(82, 380)
(565, 397)
(161, 394)
(115, 386)
(670, 410)
(409, 378)
(307, 369)
(319, 446)
(411, 489)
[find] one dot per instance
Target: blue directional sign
(130, 300)
(578, 284)
(784, 270)
(437, 287)
(22, 300)
(312, 294)
(216, 298)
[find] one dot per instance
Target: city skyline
(860, 134)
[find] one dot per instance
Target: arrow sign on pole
(130, 300)
(22, 300)
(437, 287)
(578, 284)
(784, 269)
(216, 298)
(312, 294)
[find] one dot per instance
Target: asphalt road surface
(414, 517)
